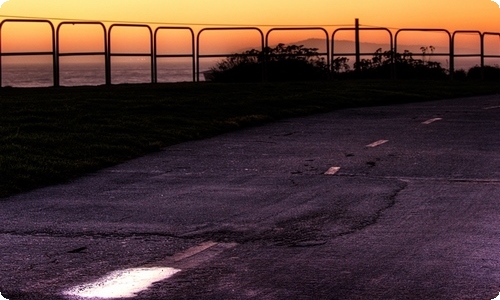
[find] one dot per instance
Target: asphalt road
(398, 202)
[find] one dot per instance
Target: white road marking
(193, 251)
(127, 283)
(377, 143)
(492, 107)
(332, 171)
(122, 283)
(430, 121)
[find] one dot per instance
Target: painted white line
(332, 171)
(193, 251)
(430, 121)
(377, 143)
(2, 298)
(127, 283)
(492, 107)
(122, 283)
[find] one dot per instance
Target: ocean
(93, 73)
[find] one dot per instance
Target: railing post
(55, 61)
(482, 55)
(1, 56)
(107, 56)
(452, 58)
(358, 48)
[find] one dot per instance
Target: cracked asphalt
(414, 217)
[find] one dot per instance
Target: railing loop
(198, 55)
(58, 54)
(55, 67)
(151, 47)
(189, 55)
(450, 54)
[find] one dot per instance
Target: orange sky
(483, 15)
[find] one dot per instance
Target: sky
(482, 15)
(449, 14)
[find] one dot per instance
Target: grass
(52, 135)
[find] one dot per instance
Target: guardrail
(52, 53)
(178, 55)
(200, 55)
(358, 52)
(197, 48)
(58, 54)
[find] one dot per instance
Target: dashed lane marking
(332, 171)
(430, 121)
(127, 283)
(377, 143)
(121, 284)
(193, 251)
(492, 107)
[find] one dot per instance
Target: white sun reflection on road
(122, 284)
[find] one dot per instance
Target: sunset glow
(449, 14)
(482, 15)
(182, 20)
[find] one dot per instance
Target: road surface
(396, 202)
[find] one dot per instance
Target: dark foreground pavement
(409, 209)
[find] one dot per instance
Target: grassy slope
(52, 135)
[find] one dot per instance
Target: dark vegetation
(381, 65)
(296, 63)
(282, 63)
(52, 135)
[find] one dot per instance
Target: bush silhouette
(490, 73)
(382, 64)
(282, 63)
(292, 63)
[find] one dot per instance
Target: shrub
(490, 72)
(282, 63)
(292, 63)
(381, 65)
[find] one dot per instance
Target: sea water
(93, 73)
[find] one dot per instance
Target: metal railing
(197, 48)
(52, 53)
(179, 55)
(59, 54)
(200, 55)
(323, 30)
(450, 43)
(149, 54)
(358, 52)
(483, 55)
